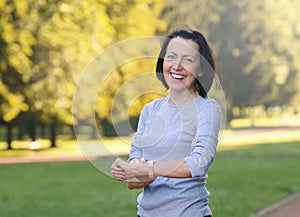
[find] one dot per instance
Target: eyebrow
(185, 55)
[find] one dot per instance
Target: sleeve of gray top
(136, 150)
(205, 142)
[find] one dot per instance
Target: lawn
(245, 180)
(241, 181)
(62, 189)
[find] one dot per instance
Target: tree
(274, 45)
(256, 54)
(45, 46)
(41, 42)
(196, 14)
(14, 61)
(110, 70)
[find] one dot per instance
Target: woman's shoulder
(155, 104)
(207, 103)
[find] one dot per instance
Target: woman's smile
(177, 76)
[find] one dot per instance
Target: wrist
(140, 169)
(150, 169)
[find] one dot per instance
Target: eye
(170, 57)
(188, 59)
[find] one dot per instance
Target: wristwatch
(150, 169)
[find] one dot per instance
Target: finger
(118, 172)
(117, 169)
(134, 161)
(143, 160)
(119, 176)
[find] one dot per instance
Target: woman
(177, 135)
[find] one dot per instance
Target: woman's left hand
(122, 170)
(117, 171)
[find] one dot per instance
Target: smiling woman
(177, 135)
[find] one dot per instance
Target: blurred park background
(45, 46)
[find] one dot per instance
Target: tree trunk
(73, 132)
(9, 135)
(32, 130)
(94, 132)
(53, 135)
(20, 131)
(43, 131)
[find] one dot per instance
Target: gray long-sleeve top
(168, 132)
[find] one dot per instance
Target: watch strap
(150, 169)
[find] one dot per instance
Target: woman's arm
(136, 148)
(171, 169)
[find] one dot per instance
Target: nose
(177, 65)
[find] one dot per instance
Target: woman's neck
(182, 97)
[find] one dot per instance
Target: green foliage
(11, 104)
(45, 46)
(198, 14)
(271, 47)
(256, 43)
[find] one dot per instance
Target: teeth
(177, 76)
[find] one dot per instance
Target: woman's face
(181, 64)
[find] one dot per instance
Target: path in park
(288, 207)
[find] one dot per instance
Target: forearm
(170, 169)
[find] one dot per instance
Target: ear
(200, 73)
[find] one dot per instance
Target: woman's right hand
(136, 183)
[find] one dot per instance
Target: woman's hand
(136, 161)
(137, 185)
(138, 182)
(122, 170)
(131, 172)
(117, 171)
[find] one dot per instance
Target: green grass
(240, 181)
(246, 180)
(64, 190)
